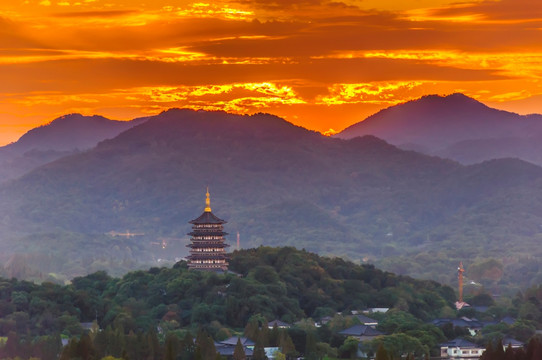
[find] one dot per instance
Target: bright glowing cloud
(233, 97)
(380, 93)
(211, 10)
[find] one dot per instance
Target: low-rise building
(279, 324)
(365, 320)
(460, 348)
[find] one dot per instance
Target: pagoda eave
(206, 246)
(207, 233)
(207, 218)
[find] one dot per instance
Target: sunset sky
(318, 64)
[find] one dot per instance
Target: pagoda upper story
(207, 242)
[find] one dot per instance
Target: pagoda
(207, 243)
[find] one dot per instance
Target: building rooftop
(278, 323)
(233, 341)
(228, 350)
(461, 343)
(360, 330)
(365, 320)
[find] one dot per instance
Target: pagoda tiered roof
(207, 218)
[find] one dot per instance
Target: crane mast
(460, 303)
(460, 272)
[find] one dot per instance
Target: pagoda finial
(207, 201)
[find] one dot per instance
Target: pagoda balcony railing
(208, 228)
(205, 251)
(216, 259)
(205, 237)
(206, 248)
(207, 243)
(205, 266)
(206, 256)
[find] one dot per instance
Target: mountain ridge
(437, 125)
(62, 136)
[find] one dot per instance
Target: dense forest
(157, 313)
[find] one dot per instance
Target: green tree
(349, 349)
(259, 352)
(85, 348)
(205, 346)
(381, 353)
(70, 351)
(239, 351)
(286, 344)
(171, 347)
(310, 347)
(187, 347)
(274, 336)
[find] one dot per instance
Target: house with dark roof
(472, 325)
(361, 332)
(508, 320)
(323, 321)
(233, 341)
(279, 324)
(462, 322)
(514, 344)
(382, 310)
(227, 351)
(227, 347)
(365, 320)
(460, 348)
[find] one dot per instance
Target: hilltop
(455, 127)
(63, 136)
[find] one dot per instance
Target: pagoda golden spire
(207, 201)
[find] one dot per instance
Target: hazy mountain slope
(454, 126)
(275, 183)
(63, 136)
(474, 151)
(164, 165)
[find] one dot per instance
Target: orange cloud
(244, 97)
(202, 9)
(380, 93)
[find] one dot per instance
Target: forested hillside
(275, 184)
(141, 313)
(280, 283)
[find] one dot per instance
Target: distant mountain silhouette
(63, 136)
(457, 127)
(71, 132)
(275, 183)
